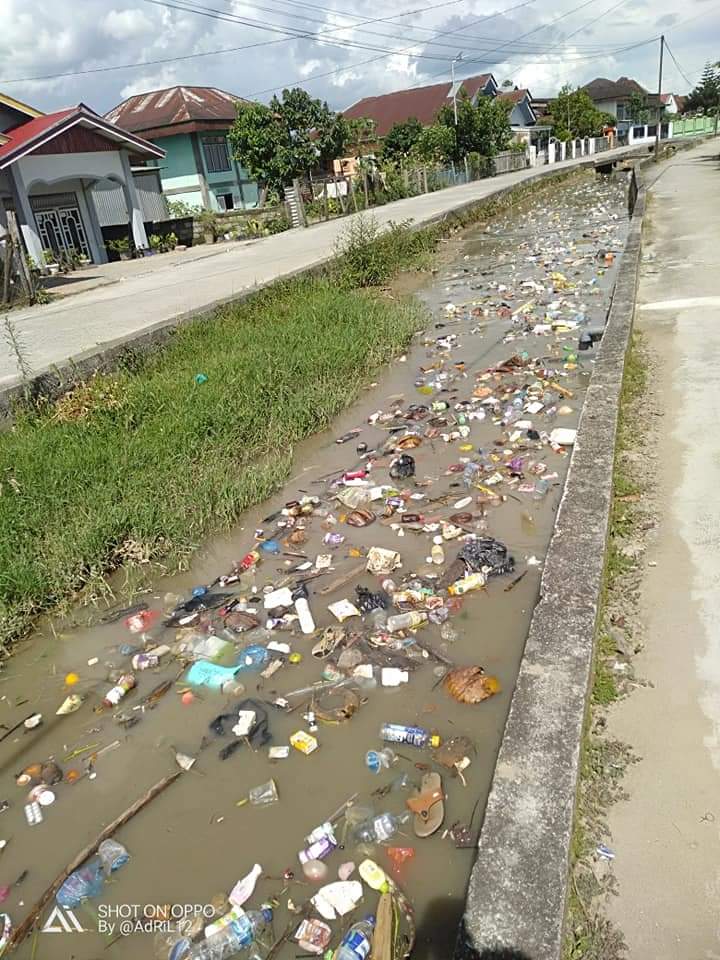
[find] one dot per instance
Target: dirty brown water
(194, 841)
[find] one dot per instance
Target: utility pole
(659, 103)
(452, 79)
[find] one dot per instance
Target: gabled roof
(18, 105)
(603, 89)
(175, 107)
(38, 131)
(423, 103)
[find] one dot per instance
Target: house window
(217, 157)
(225, 201)
(621, 112)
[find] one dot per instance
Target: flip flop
(331, 637)
(428, 805)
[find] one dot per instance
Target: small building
(613, 96)
(191, 125)
(422, 103)
(668, 102)
(50, 165)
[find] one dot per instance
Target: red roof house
(49, 164)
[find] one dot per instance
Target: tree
(638, 110)
(706, 95)
(400, 140)
(483, 128)
(286, 139)
(436, 144)
(361, 135)
(573, 114)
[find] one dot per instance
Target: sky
(330, 48)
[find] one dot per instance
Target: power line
(207, 53)
(413, 27)
(350, 67)
(680, 69)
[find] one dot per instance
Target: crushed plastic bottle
(377, 760)
(234, 937)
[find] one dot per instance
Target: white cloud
(122, 24)
(40, 38)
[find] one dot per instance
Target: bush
(369, 256)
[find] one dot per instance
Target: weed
(368, 256)
(17, 348)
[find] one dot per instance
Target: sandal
(428, 805)
(327, 643)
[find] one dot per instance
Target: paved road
(53, 333)
(667, 837)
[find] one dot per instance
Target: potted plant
(121, 247)
(50, 263)
(170, 241)
(156, 244)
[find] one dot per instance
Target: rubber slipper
(428, 806)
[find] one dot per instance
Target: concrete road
(667, 837)
(75, 325)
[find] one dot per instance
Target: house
(522, 114)
(191, 125)
(50, 166)
(423, 103)
(613, 96)
(668, 102)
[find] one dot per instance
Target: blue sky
(340, 56)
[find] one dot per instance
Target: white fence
(558, 150)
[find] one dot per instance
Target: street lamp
(454, 60)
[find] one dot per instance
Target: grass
(143, 464)
(589, 934)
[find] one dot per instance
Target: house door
(60, 224)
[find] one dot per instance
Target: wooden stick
(26, 926)
(343, 579)
(289, 929)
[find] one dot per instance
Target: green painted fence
(692, 126)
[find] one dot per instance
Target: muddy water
(197, 839)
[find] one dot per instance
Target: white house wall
(55, 167)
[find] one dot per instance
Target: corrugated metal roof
(28, 136)
(174, 105)
(423, 103)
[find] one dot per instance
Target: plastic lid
(435, 740)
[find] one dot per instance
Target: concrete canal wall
(518, 889)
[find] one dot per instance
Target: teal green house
(191, 125)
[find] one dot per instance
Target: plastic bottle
(377, 620)
(405, 621)
(253, 657)
(381, 828)
(541, 488)
(377, 760)
(249, 560)
(356, 943)
(471, 473)
(413, 736)
(437, 554)
(89, 879)
(374, 876)
(231, 939)
(473, 581)
(113, 697)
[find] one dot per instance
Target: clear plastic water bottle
(231, 939)
(541, 488)
(357, 941)
(471, 473)
(381, 828)
(377, 760)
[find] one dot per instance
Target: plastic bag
(113, 855)
(82, 884)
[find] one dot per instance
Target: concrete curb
(55, 379)
(518, 887)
